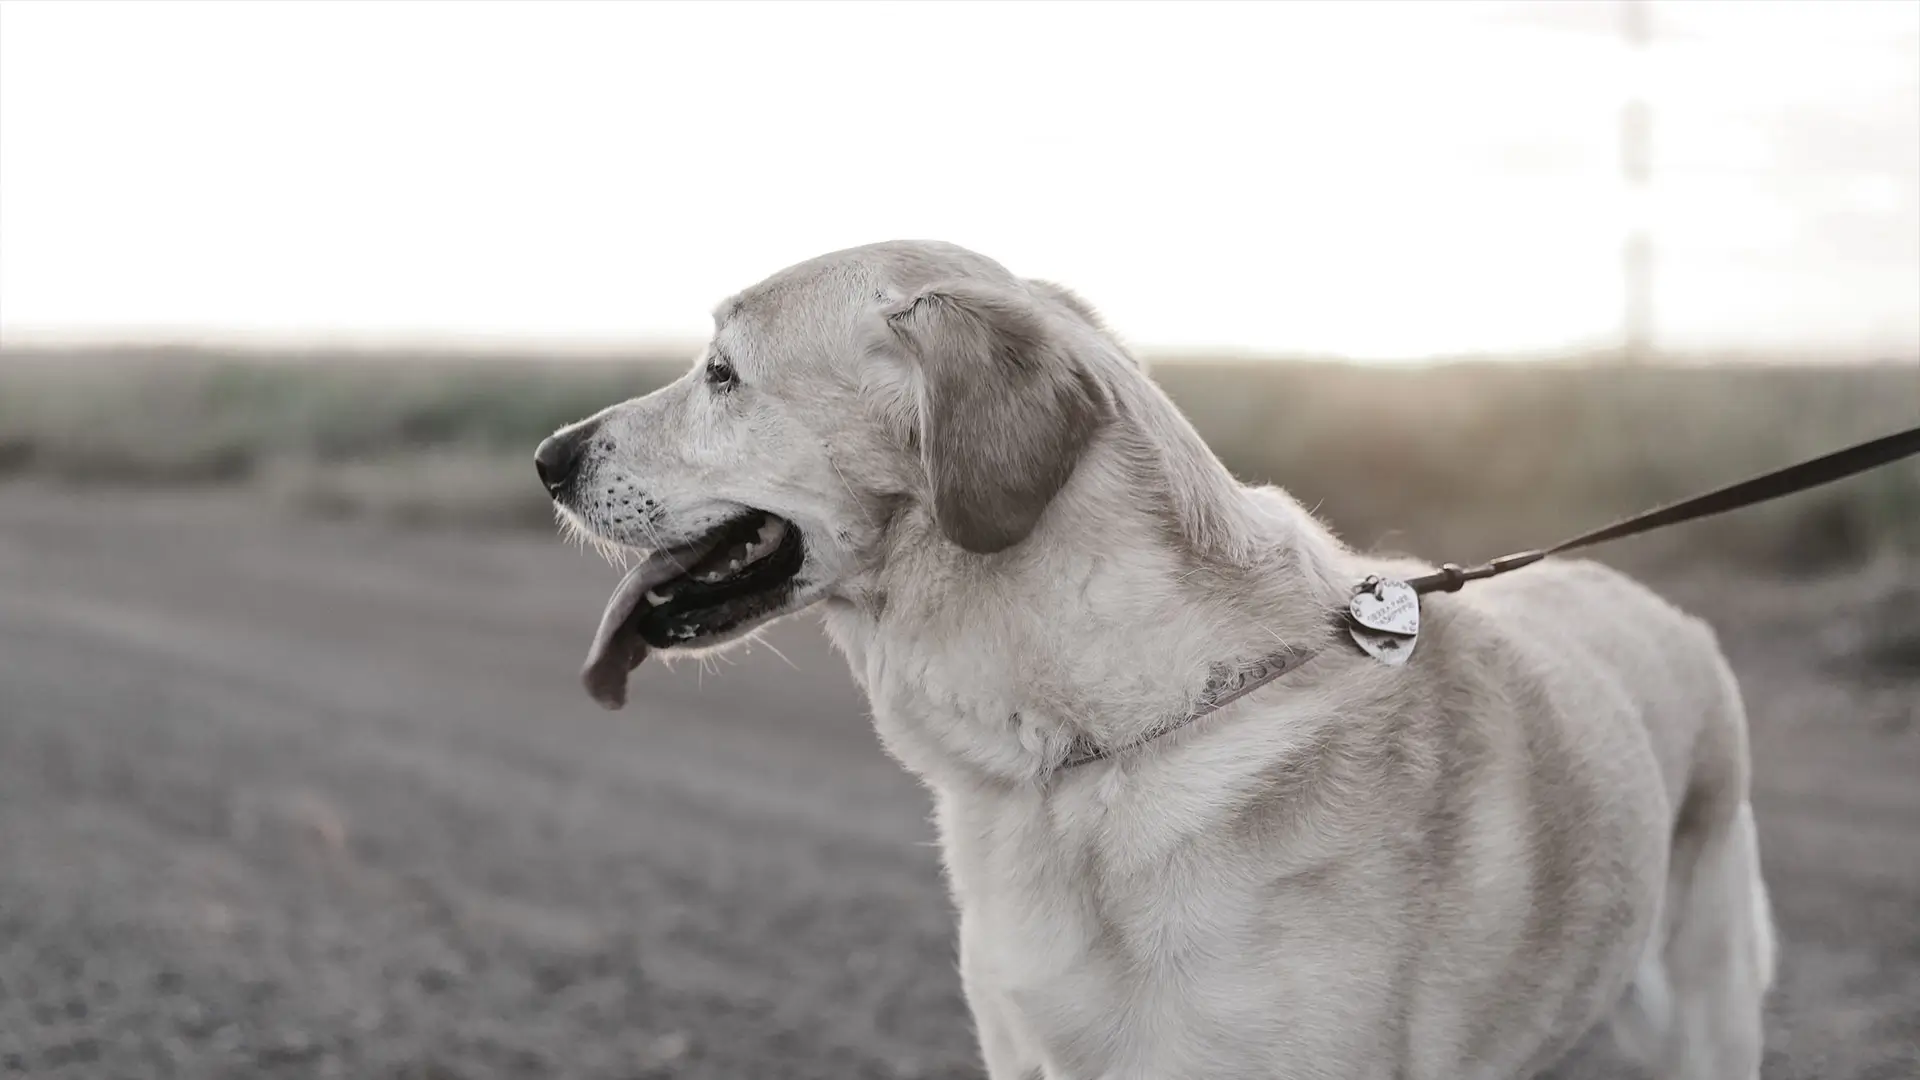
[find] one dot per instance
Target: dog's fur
(1448, 869)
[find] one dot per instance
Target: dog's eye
(720, 374)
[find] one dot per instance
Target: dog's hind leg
(1694, 1012)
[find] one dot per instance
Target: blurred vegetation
(1457, 461)
(1472, 460)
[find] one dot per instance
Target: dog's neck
(1151, 567)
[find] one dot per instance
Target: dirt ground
(291, 799)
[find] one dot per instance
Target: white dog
(1449, 868)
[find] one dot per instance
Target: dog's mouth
(739, 572)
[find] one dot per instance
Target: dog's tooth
(655, 598)
(765, 544)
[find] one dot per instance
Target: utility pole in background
(1636, 165)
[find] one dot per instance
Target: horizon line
(522, 347)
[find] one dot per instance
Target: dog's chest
(1107, 965)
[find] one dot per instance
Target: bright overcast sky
(1374, 179)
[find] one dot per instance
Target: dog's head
(902, 382)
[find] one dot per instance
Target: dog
(1451, 867)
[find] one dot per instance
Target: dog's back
(1592, 631)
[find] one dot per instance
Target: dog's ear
(1005, 412)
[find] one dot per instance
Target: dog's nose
(558, 456)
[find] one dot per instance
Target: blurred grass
(1458, 461)
(1469, 461)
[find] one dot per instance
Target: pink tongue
(616, 648)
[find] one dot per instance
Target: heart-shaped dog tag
(1391, 649)
(1388, 606)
